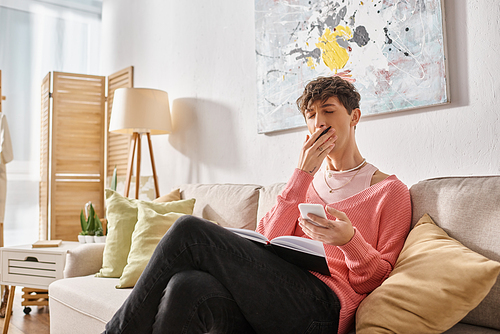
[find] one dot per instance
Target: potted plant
(89, 225)
(92, 229)
(99, 236)
(83, 224)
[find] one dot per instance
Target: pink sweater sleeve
(370, 265)
(283, 217)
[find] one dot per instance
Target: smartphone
(315, 209)
(322, 133)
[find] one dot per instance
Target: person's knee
(196, 302)
(195, 285)
(186, 221)
(182, 227)
(188, 290)
(188, 225)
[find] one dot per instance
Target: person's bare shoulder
(378, 176)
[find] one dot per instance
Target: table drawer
(28, 268)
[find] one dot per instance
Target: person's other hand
(336, 232)
(315, 150)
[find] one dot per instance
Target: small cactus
(83, 223)
(92, 224)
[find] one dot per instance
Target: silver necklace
(349, 170)
(345, 171)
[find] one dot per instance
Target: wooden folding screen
(72, 148)
(77, 166)
(117, 144)
(43, 196)
(76, 151)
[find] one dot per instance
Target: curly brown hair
(322, 88)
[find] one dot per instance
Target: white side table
(31, 267)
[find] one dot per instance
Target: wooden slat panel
(77, 150)
(77, 122)
(44, 159)
(70, 197)
(117, 145)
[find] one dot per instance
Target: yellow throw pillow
(121, 214)
(435, 283)
(151, 226)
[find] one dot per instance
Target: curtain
(35, 38)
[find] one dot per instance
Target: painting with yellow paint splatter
(393, 51)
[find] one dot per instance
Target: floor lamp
(138, 111)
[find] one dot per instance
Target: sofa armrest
(86, 259)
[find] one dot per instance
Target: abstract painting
(392, 51)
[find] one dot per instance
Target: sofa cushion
(150, 228)
(229, 205)
(86, 259)
(174, 195)
(468, 329)
(121, 213)
(436, 281)
(268, 197)
(467, 208)
(83, 304)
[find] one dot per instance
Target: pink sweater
(381, 216)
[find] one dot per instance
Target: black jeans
(203, 278)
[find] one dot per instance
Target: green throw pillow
(121, 214)
(151, 225)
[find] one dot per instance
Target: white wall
(202, 53)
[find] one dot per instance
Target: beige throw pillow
(435, 283)
(151, 225)
(174, 195)
(121, 214)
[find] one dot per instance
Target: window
(37, 37)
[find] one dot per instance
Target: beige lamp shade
(140, 110)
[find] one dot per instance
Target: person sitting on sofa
(203, 278)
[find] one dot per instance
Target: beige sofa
(467, 208)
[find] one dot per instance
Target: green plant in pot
(99, 236)
(89, 225)
(83, 224)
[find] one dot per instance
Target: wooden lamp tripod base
(136, 142)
